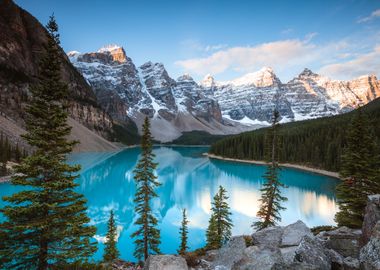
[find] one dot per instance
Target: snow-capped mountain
(126, 91)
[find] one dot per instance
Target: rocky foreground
(291, 247)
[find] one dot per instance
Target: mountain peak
(307, 73)
(185, 77)
(262, 78)
(117, 52)
(208, 81)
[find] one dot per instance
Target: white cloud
(278, 54)
(363, 64)
(373, 15)
(195, 45)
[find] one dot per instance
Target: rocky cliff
(22, 43)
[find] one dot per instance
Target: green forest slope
(317, 143)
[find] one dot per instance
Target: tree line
(318, 143)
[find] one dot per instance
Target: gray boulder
(165, 262)
(294, 233)
(231, 253)
(288, 254)
(270, 236)
(336, 259)
(343, 240)
(311, 252)
(259, 258)
(350, 263)
(371, 217)
(370, 253)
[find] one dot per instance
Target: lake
(190, 180)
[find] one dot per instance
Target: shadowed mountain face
(22, 44)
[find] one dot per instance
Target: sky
(227, 39)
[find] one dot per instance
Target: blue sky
(337, 38)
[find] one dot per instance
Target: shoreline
(5, 179)
(287, 165)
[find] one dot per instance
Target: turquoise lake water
(190, 180)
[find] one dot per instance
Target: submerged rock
(165, 262)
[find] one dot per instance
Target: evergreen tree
(46, 223)
(271, 198)
(147, 235)
(359, 172)
(220, 224)
(110, 251)
(183, 231)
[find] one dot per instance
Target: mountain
(183, 105)
(129, 92)
(22, 43)
(316, 142)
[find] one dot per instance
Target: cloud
(368, 63)
(373, 15)
(195, 45)
(287, 31)
(278, 54)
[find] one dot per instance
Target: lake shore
(4, 179)
(287, 165)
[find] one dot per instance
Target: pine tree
(220, 224)
(147, 235)
(359, 172)
(183, 231)
(271, 198)
(110, 251)
(46, 223)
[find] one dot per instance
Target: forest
(317, 143)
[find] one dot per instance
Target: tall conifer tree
(220, 223)
(147, 235)
(183, 231)
(360, 172)
(269, 212)
(110, 250)
(46, 223)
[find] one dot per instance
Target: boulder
(311, 252)
(293, 234)
(371, 217)
(165, 262)
(336, 259)
(270, 236)
(350, 263)
(288, 254)
(343, 240)
(370, 253)
(231, 253)
(259, 258)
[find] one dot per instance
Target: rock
(288, 254)
(370, 253)
(231, 253)
(269, 236)
(295, 266)
(165, 262)
(336, 259)
(259, 258)
(350, 264)
(294, 233)
(371, 217)
(311, 252)
(343, 240)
